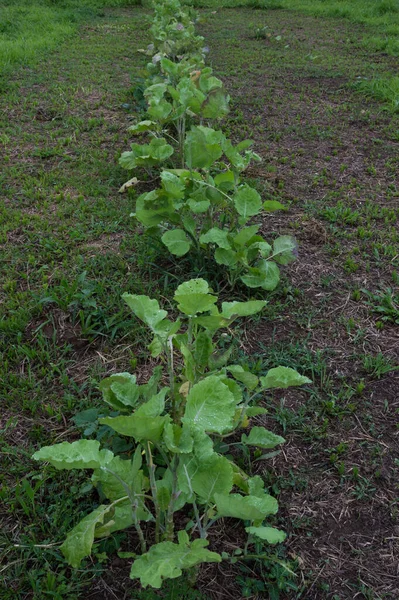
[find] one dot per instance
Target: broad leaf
(269, 534)
(247, 201)
(212, 477)
(262, 438)
(120, 390)
(245, 235)
(248, 379)
(120, 475)
(285, 250)
(80, 540)
(242, 309)
(146, 310)
(226, 257)
(282, 377)
(273, 205)
(178, 439)
(202, 147)
(82, 454)
(177, 242)
(248, 508)
(193, 297)
(203, 348)
(210, 406)
(216, 236)
(265, 275)
(167, 560)
(145, 423)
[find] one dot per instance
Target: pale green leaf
(142, 127)
(193, 297)
(273, 205)
(82, 454)
(262, 438)
(269, 534)
(248, 379)
(242, 309)
(120, 390)
(210, 406)
(282, 377)
(285, 249)
(248, 508)
(178, 439)
(216, 236)
(167, 560)
(212, 477)
(226, 257)
(177, 242)
(247, 201)
(245, 235)
(79, 541)
(202, 147)
(146, 309)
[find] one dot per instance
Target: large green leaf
(245, 235)
(82, 454)
(154, 207)
(282, 377)
(120, 390)
(150, 154)
(177, 242)
(246, 377)
(265, 275)
(285, 250)
(210, 406)
(120, 475)
(202, 147)
(172, 184)
(247, 201)
(145, 423)
(242, 309)
(216, 236)
(226, 257)
(146, 309)
(167, 560)
(80, 540)
(248, 508)
(178, 439)
(269, 534)
(214, 476)
(216, 104)
(193, 297)
(262, 438)
(203, 348)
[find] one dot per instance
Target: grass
(69, 252)
(382, 89)
(30, 29)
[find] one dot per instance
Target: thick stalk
(201, 530)
(153, 485)
(170, 526)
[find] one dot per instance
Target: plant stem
(201, 530)
(171, 508)
(153, 485)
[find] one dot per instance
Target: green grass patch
(383, 89)
(29, 29)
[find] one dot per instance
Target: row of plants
(176, 468)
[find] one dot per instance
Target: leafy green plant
(175, 427)
(199, 210)
(202, 207)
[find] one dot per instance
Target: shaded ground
(69, 251)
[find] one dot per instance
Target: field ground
(69, 250)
